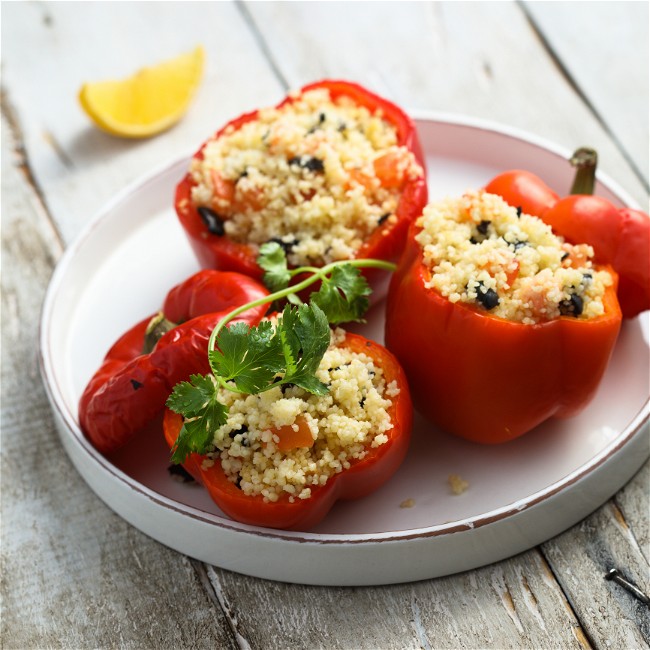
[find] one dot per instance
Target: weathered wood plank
(53, 48)
(610, 66)
(634, 503)
(443, 56)
(610, 616)
(482, 59)
(512, 604)
(74, 574)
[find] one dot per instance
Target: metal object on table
(616, 576)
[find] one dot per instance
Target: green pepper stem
(585, 161)
(157, 327)
(283, 293)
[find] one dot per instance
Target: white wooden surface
(76, 576)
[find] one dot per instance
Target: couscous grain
(345, 423)
(317, 175)
(483, 252)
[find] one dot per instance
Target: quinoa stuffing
(485, 253)
(317, 175)
(343, 425)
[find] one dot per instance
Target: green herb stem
(317, 274)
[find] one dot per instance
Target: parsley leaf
(273, 260)
(344, 295)
(255, 359)
(305, 335)
(197, 400)
(251, 357)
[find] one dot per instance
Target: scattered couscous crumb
(407, 503)
(482, 252)
(352, 418)
(457, 484)
(316, 175)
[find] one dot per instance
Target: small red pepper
(620, 237)
(485, 378)
(132, 384)
(386, 242)
(363, 477)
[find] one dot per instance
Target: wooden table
(75, 575)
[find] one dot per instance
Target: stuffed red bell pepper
(620, 237)
(285, 456)
(498, 323)
(333, 172)
(141, 368)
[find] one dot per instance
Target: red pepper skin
(620, 237)
(130, 388)
(386, 242)
(363, 477)
(484, 378)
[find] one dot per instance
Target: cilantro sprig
(286, 350)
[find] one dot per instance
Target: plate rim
(626, 436)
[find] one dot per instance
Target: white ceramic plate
(520, 494)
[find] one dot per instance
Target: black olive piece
(487, 297)
(287, 247)
(519, 211)
(314, 165)
(516, 244)
(362, 401)
(482, 230)
(321, 119)
(308, 162)
(179, 473)
(573, 306)
(137, 385)
(564, 256)
(234, 432)
(286, 387)
(383, 218)
(212, 221)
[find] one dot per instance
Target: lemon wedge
(147, 103)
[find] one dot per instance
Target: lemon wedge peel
(147, 103)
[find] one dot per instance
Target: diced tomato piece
(291, 438)
(389, 169)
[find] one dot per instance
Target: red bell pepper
(485, 378)
(130, 387)
(363, 477)
(386, 242)
(620, 237)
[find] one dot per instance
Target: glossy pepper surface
(485, 378)
(131, 386)
(363, 477)
(619, 237)
(386, 242)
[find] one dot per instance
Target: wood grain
(581, 557)
(76, 575)
(613, 77)
(482, 59)
(512, 604)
